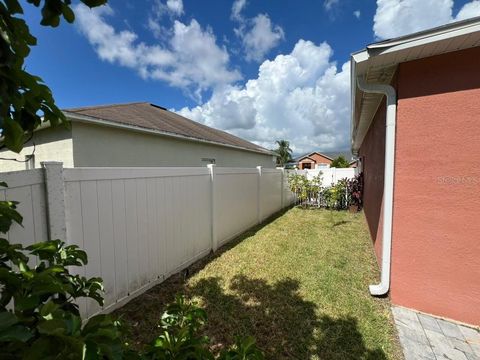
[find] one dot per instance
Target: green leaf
(13, 135)
(11, 330)
(14, 7)
(27, 303)
(48, 308)
(68, 13)
(94, 3)
(7, 319)
(55, 327)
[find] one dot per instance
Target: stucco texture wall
(436, 228)
(50, 145)
(101, 146)
(372, 154)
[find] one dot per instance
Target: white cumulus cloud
(261, 37)
(400, 17)
(175, 7)
(190, 59)
(237, 9)
(469, 10)
(302, 97)
(357, 14)
(329, 4)
(159, 9)
(258, 34)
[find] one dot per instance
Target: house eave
(378, 62)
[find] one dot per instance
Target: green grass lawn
(298, 284)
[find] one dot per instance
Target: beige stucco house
(135, 134)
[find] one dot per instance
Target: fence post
(259, 194)
(213, 201)
(55, 199)
(282, 188)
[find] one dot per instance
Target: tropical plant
(355, 191)
(179, 339)
(25, 100)
(340, 162)
(284, 152)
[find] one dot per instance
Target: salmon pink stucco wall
(436, 217)
(436, 226)
(372, 154)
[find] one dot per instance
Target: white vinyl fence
(140, 225)
(330, 176)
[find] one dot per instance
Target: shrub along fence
(140, 225)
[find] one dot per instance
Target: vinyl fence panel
(330, 176)
(270, 192)
(237, 205)
(27, 187)
(140, 225)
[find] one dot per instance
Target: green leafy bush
(180, 337)
(335, 197)
(355, 191)
(39, 318)
(307, 192)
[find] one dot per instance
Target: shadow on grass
(284, 325)
(342, 222)
(142, 314)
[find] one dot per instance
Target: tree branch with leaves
(25, 100)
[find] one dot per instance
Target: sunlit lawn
(298, 284)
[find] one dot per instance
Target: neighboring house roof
(378, 62)
(143, 116)
(307, 157)
(300, 158)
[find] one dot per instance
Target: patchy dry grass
(298, 284)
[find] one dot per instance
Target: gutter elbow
(379, 289)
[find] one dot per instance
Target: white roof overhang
(378, 62)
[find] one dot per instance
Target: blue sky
(263, 70)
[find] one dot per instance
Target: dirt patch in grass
(298, 284)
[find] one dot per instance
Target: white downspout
(389, 91)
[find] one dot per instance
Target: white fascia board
(361, 56)
(93, 120)
(427, 38)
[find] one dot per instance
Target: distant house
(136, 134)
(415, 99)
(314, 160)
(353, 164)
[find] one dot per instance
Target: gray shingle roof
(152, 117)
